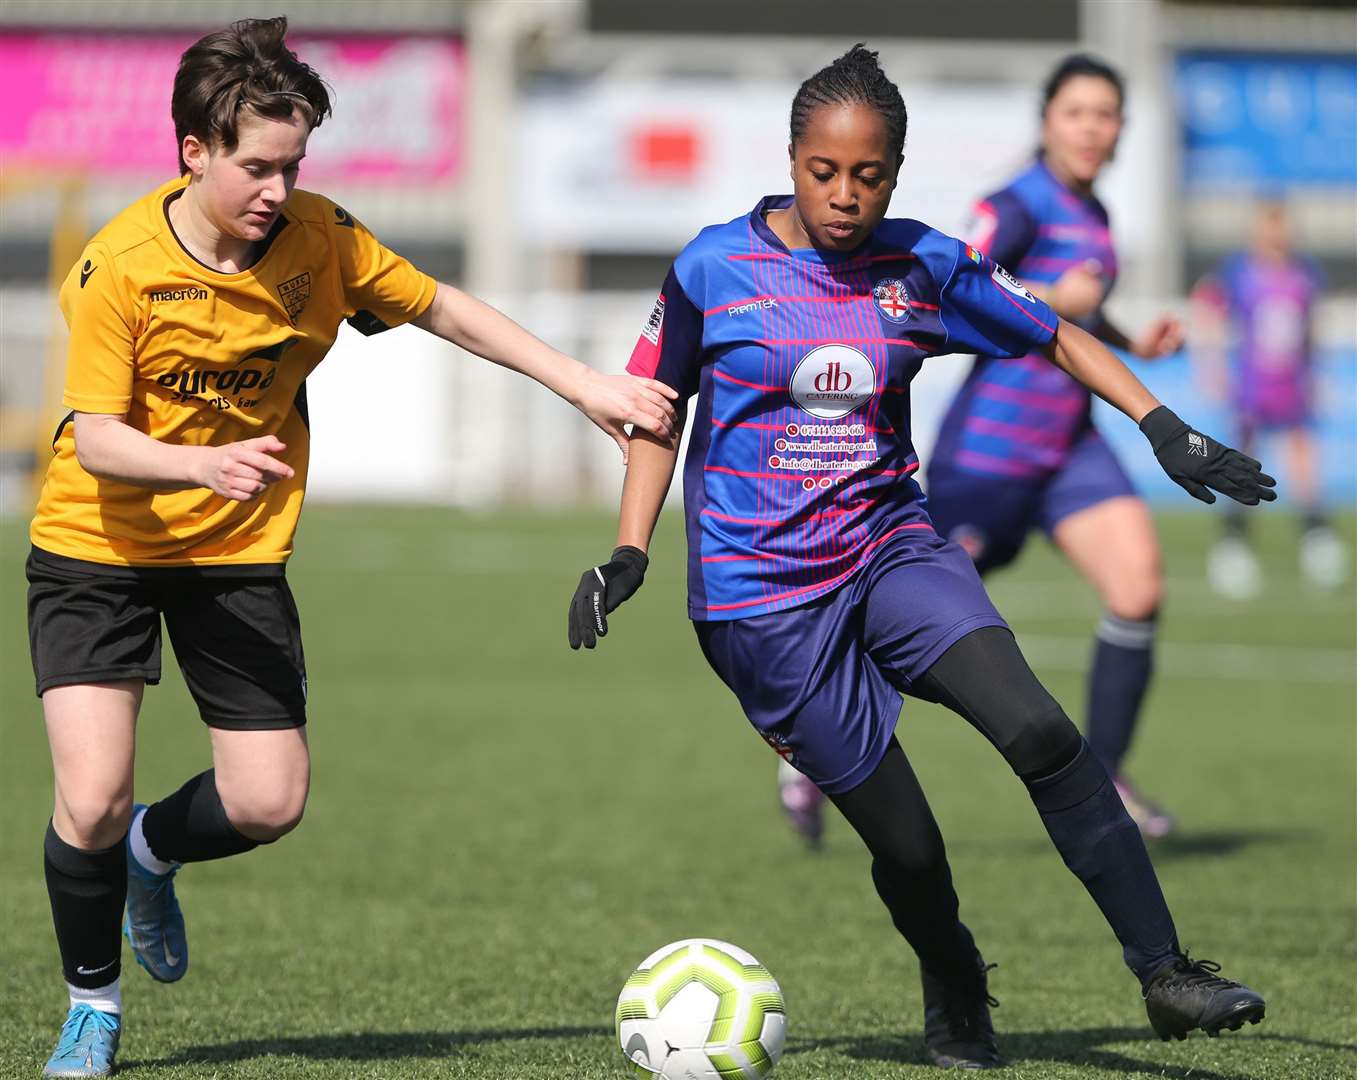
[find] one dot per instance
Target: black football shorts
(235, 631)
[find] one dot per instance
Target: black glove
(1196, 462)
(600, 591)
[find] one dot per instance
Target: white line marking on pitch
(1259, 663)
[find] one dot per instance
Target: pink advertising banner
(102, 102)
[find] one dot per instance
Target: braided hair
(855, 78)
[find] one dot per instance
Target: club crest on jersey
(832, 381)
(295, 292)
(651, 330)
(892, 300)
(1007, 281)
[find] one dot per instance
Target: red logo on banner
(665, 152)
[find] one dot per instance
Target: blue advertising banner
(1263, 120)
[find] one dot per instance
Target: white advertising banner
(614, 166)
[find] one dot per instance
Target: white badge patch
(1005, 280)
(1196, 444)
(651, 330)
(832, 381)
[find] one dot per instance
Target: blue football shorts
(821, 683)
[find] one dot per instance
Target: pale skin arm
(649, 474)
(610, 401)
(1089, 362)
(111, 450)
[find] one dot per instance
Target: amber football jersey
(193, 356)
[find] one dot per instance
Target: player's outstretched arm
(1194, 461)
(111, 450)
(602, 588)
(610, 401)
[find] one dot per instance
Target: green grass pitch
(499, 829)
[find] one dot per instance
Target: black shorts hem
(234, 723)
(150, 676)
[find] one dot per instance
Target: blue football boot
(87, 1045)
(154, 925)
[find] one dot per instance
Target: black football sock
(1123, 660)
(191, 825)
(984, 678)
(909, 864)
(1099, 842)
(87, 890)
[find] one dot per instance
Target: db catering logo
(832, 381)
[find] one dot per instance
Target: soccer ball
(701, 1010)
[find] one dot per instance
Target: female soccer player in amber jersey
(195, 317)
(1018, 449)
(817, 585)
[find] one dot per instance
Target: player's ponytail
(855, 78)
(246, 66)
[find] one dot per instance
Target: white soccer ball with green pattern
(701, 1010)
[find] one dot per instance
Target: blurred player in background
(1018, 450)
(819, 588)
(1255, 348)
(177, 481)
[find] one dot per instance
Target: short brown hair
(247, 66)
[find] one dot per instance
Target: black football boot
(958, 1033)
(1186, 994)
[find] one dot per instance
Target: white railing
(406, 417)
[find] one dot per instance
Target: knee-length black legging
(984, 678)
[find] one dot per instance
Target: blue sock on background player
(1123, 661)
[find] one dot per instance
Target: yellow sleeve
(99, 361)
(381, 287)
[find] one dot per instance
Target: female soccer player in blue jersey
(818, 586)
(1018, 449)
(1256, 349)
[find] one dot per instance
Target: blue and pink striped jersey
(1270, 306)
(800, 460)
(1019, 417)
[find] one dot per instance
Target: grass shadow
(1188, 844)
(1083, 1046)
(355, 1046)
(1185, 843)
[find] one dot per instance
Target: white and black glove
(600, 591)
(1197, 463)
